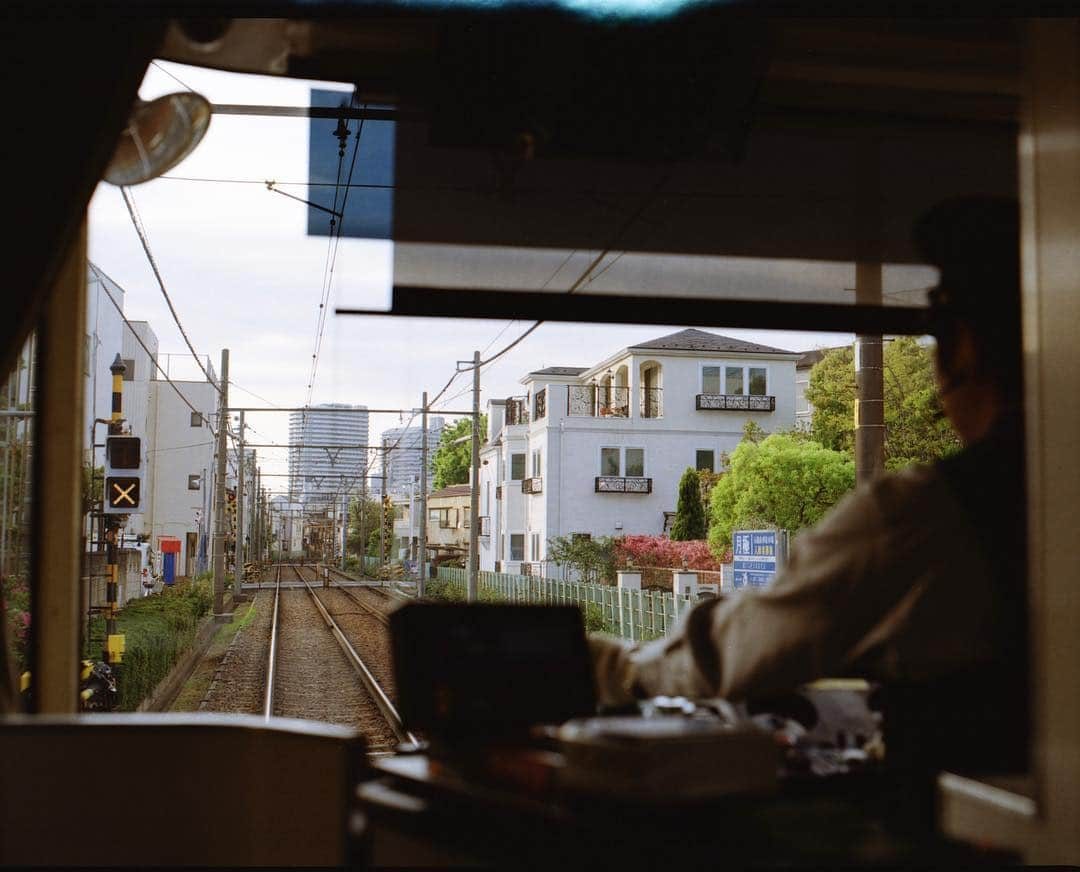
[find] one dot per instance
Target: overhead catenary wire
(149, 354)
(129, 201)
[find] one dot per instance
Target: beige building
(448, 520)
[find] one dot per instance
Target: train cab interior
(691, 138)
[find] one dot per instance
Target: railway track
(295, 637)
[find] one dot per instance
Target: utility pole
(474, 490)
(422, 556)
(219, 497)
(382, 516)
(238, 545)
(869, 360)
(363, 504)
(344, 527)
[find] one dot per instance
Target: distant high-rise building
(329, 461)
(403, 463)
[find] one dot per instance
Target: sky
(243, 274)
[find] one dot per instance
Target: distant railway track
(285, 652)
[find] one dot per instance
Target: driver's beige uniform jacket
(890, 584)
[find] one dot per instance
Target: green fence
(633, 614)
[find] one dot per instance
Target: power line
(171, 76)
(149, 353)
(130, 202)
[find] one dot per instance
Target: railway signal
(123, 475)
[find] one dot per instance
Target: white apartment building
(327, 457)
(599, 450)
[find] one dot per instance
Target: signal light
(123, 475)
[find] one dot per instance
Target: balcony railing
(617, 484)
(597, 401)
(652, 402)
(534, 485)
(517, 411)
(735, 403)
(540, 405)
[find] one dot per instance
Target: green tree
(781, 482)
(593, 559)
(916, 431)
(360, 533)
(452, 459)
(689, 512)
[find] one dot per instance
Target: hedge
(158, 630)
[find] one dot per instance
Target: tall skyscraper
(403, 464)
(328, 461)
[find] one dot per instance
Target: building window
(196, 419)
(129, 369)
(733, 380)
(517, 546)
(194, 482)
(706, 459)
(635, 462)
(517, 468)
(757, 376)
(433, 516)
(534, 543)
(536, 466)
(710, 380)
(609, 461)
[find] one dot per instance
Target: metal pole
(114, 643)
(344, 527)
(422, 532)
(219, 497)
(474, 489)
(382, 517)
(363, 505)
(238, 544)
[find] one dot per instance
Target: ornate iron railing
(534, 485)
(735, 403)
(517, 411)
(597, 401)
(540, 405)
(652, 402)
(618, 484)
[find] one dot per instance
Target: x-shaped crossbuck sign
(123, 493)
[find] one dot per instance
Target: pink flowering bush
(15, 609)
(649, 551)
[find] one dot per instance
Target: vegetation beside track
(158, 630)
(194, 689)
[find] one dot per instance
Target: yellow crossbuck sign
(124, 492)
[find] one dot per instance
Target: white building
(181, 465)
(104, 340)
(599, 450)
(329, 452)
(403, 463)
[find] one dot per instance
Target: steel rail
(389, 712)
(379, 615)
(268, 703)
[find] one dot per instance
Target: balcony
(534, 485)
(517, 411)
(652, 402)
(735, 403)
(597, 401)
(617, 484)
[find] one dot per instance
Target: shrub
(158, 630)
(649, 551)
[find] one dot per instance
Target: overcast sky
(244, 275)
